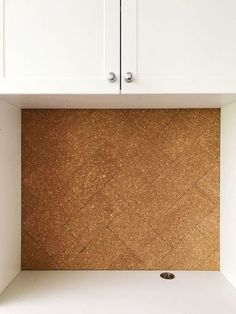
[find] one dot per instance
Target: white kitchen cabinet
(179, 46)
(154, 46)
(59, 47)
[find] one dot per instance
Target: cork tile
(28, 206)
(151, 120)
(139, 131)
(51, 125)
(140, 152)
(150, 205)
(61, 149)
(34, 257)
(33, 127)
(99, 187)
(209, 139)
(30, 160)
(53, 205)
(209, 227)
(139, 237)
(52, 235)
(152, 165)
(145, 194)
(189, 210)
(61, 159)
(126, 142)
(183, 173)
(92, 175)
(42, 217)
(146, 202)
(42, 183)
(88, 222)
(129, 178)
(61, 245)
(183, 130)
(190, 253)
(100, 253)
(127, 260)
(107, 120)
(210, 142)
(29, 248)
(212, 262)
(210, 184)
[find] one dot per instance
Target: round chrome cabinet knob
(111, 77)
(129, 77)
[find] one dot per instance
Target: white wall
(228, 192)
(10, 193)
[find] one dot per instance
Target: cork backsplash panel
(120, 189)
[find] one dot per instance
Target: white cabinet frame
(12, 82)
(179, 47)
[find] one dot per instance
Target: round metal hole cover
(167, 276)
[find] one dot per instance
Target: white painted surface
(120, 101)
(10, 193)
(65, 46)
(1, 39)
(130, 292)
(177, 46)
(69, 46)
(228, 192)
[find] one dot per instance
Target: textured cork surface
(120, 189)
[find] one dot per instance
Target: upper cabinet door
(178, 46)
(60, 46)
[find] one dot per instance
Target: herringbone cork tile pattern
(120, 189)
